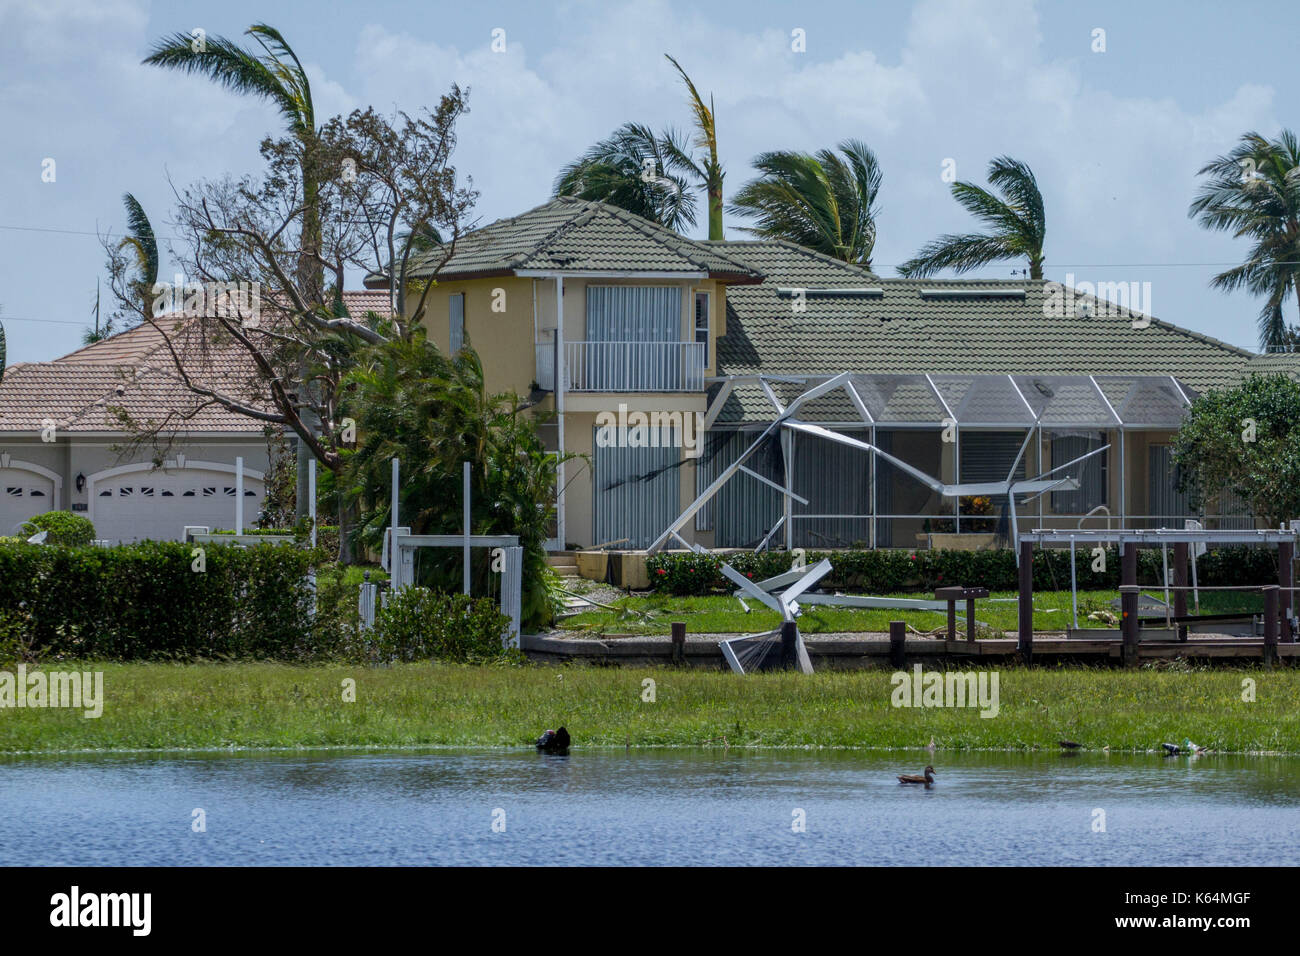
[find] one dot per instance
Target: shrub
(65, 528)
(685, 574)
(146, 602)
(884, 571)
(420, 624)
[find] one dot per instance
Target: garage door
(158, 505)
(24, 495)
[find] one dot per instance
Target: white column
(559, 407)
(311, 497)
(787, 450)
(239, 496)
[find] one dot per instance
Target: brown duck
(914, 778)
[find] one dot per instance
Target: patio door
(629, 329)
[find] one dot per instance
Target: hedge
(146, 602)
(886, 571)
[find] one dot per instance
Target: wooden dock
(849, 651)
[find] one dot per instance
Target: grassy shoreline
(220, 707)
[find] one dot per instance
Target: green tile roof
(574, 235)
(912, 326)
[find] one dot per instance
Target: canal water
(654, 807)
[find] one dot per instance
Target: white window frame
(707, 326)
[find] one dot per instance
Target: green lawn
(211, 706)
(721, 614)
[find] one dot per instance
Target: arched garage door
(157, 505)
(23, 495)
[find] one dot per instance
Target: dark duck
(554, 742)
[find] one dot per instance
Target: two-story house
(607, 317)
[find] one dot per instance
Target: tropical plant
(1246, 440)
(1253, 192)
(433, 413)
(635, 170)
(1017, 221)
(708, 169)
(823, 201)
(651, 175)
(133, 271)
(274, 74)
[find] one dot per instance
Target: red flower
(749, 574)
(661, 571)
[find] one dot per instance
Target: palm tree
(635, 170)
(142, 242)
(1253, 191)
(708, 170)
(652, 175)
(277, 75)
(823, 201)
(1017, 221)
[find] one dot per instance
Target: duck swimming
(554, 742)
(928, 779)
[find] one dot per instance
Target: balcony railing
(625, 366)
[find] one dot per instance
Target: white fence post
(512, 579)
(239, 496)
(366, 603)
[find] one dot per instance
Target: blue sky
(1115, 138)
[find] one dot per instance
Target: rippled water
(655, 807)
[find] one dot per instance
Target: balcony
(624, 366)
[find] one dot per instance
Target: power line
(18, 318)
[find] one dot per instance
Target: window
(35, 493)
(14, 492)
(702, 323)
(188, 494)
(146, 491)
(168, 494)
(456, 310)
(125, 492)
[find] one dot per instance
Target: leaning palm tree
(274, 74)
(708, 170)
(143, 244)
(1018, 225)
(824, 201)
(635, 170)
(1253, 191)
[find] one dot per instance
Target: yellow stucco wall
(506, 316)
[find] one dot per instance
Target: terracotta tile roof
(132, 373)
(360, 302)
